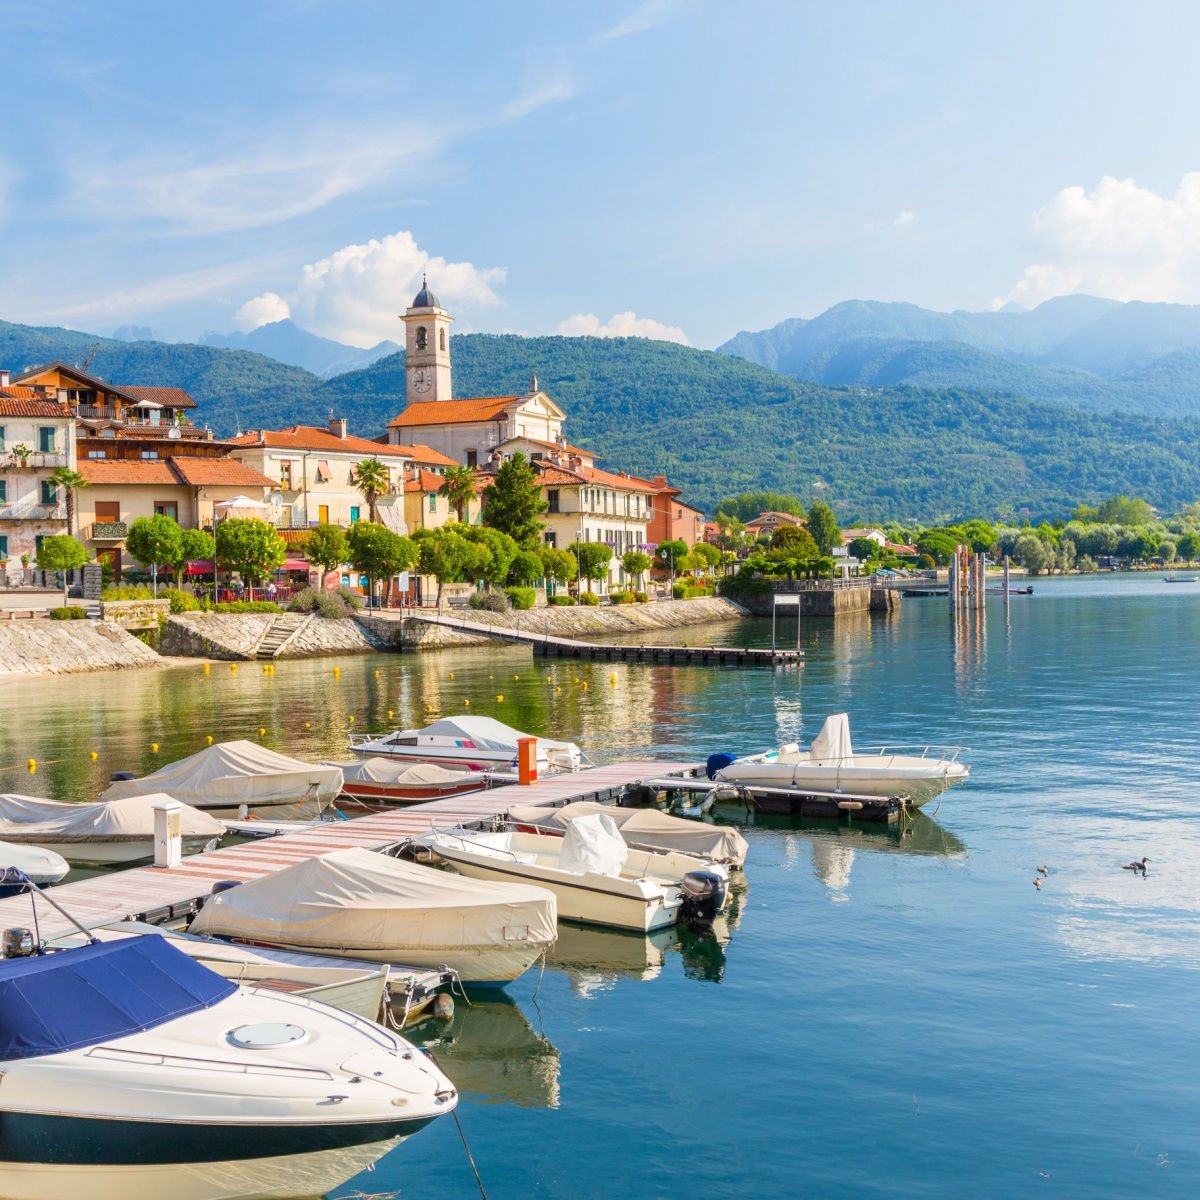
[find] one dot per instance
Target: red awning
(295, 564)
(199, 568)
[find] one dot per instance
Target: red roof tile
(425, 456)
(593, 476)
(426, 481)
(173, 472)
(22, 402)
(310, 437)
(168, 397)
(218, 472)
(118, 471)
(452, 412)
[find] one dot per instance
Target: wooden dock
(560, 647)
(158, 894)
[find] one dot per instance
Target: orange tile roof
(452, 412)
(566, 448)
(572, 476)
(218, 472)
(168, 397)
(426, 481)
(119, 471)
(425, 456)
(24, 402)
(173, 472)
(310, 437)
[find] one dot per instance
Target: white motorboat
(641, 829)
(596, 877)
(232, 779)
(831, 764)
(470, 744)
(393, 780)
(358, 904)
(132, 1072)
(18, 863)
(105, 833)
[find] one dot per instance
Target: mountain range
(1098, 354)
(288, 343)
(717, 424)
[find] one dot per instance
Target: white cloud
(1120, 241)
(904, 217)
(626, 324)
(357, 293)
(907, 217)
(550, 91)
(262, 310)
(648, 15)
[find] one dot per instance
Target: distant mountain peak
(286, 342)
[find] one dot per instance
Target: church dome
(425, 298)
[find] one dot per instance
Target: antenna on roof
(91, 354)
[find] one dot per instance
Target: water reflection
(493, 1054)
(594, 960)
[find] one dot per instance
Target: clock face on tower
(422, 379)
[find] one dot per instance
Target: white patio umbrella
(240, 504)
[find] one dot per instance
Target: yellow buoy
(233, 667)
(337, 670)
(547, 678)
(350, 719)
(499, 697)
(451, 674)
(390, 714)
(558, 689)
(31, 763)
(262, 732)
(208, 739)
(93, 756)
(516, 677)
(467, 703)
(585, 685)
(208, 668)
(490, 676)
(153, 747)
(307, 724)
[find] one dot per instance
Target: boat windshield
(51, 1003)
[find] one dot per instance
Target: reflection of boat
(832, 764)
(596, 877)
(103, 833)
(468, 743)
(18, 863)
(612, 951)
(919, 834)
(642, 828)
(132, 1071)
(493, 1054)
(358, 904)
(233, 778)
(399, 781)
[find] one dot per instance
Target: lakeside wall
(69, 647)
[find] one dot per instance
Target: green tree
(1168, 550)
(495, 552)
(1188, 546)
(560, 566)
(250, 546)
(636, 563)
(445, 555)
(326, 546)
(794, 540)
(823, 526)
(195, 545)
(747, 505)
(379, 553)
(704, 556)
(593, 559)
(979, 534)
(372, 479)
(526, 568)
(459, 487)
(513, 502)
(938, 545)
(1126, 510)
(671, 555)
(1031, 553)
(731, 531)
(61, 552)
(155, 542)
(864, 548)
(69, 482)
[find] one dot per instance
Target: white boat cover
(390, 772)
(486, 733)
(40, 864)
(32, 819)
(231, 774)
(593, 845)
(357, 900)
(644, 827)
(832, 744)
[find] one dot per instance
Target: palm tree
(372, 479)
(70, 481)
(458, 487)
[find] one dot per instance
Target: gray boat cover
(832, 744)
(31, 820)
(357, 900)
(231, 774)
(390, 772)
(646, 828)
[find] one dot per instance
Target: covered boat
(595, 875)
(396, 780)
(234, 778)
(132, 1072)
(358, 904)
(18, 863)
(643, 829)
(103, 833)
(832, 764)
(470, 743)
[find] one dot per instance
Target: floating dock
(560, 647)
(791, 802)
(158, 894)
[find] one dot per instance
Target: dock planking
(157, 893)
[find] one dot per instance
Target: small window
(38, 539)
(433, 501)
(1, 437)
(441, 339)
(472, 458)
(285, 476)
(3, 546)
(552, 539)
(149, 453)
(552, 501)
(354, 511)
(422, 338)
(166, 508)
(3, 491)
(46, 438)
(49, 492)
(97, 454)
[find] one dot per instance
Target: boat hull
(918, 786)
(116, 853)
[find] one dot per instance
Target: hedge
(70, 612)
(588, 598)
(521, 597)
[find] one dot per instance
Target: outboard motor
(718, 762)
(19, 943)
(703, 894)
(121, 776)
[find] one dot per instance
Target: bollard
(168, 836)
(527, 760)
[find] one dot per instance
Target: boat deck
(156, 894)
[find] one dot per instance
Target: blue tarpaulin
(74, 998)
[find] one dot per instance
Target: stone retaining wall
(585, 622)
(67, 647)
(215, 635)
(135, 614)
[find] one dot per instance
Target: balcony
(36, 460)
(107, 531)
(33, 512)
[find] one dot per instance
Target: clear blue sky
(705, 166)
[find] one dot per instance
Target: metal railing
(108, 531)
(33, 512)
(33, 461)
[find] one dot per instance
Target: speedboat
(132, 1072)
(234, 779)
(389, 779)
(1181, 579)
(18, 863)
(361, 905)
(831, 764)
(470, 744)
(596, 877)
(641, 829)
(104, 833)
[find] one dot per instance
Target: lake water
(885, 1015)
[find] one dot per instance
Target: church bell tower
(427, 348)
